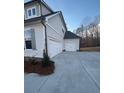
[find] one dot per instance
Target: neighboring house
(45, 28)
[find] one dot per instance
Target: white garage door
(54, 48)
(70, 46)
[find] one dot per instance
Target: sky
(76, 12)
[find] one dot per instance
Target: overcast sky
(76, 11)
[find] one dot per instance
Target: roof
(32, 19)
(70, 35)
(63, 20)
(31, 1)
(49, 14)
(44, 16)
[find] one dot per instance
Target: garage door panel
(71, 45)
(54, 48)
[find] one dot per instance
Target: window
(28, 44)
(31, 12)
(29, 37)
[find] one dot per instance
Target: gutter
(46, 48)
(43, 20)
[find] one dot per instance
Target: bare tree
(90, 34)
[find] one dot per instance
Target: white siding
(55, 36)
(54, 47)
(45, 10)
(57, 24)
(40, 42)
(71, 44)
(37, 10)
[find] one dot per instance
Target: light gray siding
(39, 40)
(57, 24)
(45, 10)
(33, 5)
(39, 9)
(71, 44)
(55, 35)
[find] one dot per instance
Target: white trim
(25, 39)
(48, 17)
(39, 11)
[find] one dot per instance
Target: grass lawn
(90, 49)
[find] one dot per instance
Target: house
(45, 29)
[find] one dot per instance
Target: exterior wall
(33, 5)
(54, 48)
(57, 24)
(39, 39)
(55, 42)
(45, 10)
(55, 35)
(74, 43)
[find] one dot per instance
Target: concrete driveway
(76, 72)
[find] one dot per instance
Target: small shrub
(42, 67)
(46, 60)
(63, 50)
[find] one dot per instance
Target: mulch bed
(37, 67)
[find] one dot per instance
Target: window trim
(25, 39)
(31, 8)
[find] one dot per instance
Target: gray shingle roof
(70, 35)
